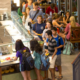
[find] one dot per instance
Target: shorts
(23, 67)
(58, 60)
(52, 61)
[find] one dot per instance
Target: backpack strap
(59, 40)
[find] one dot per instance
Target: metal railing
(76, 68)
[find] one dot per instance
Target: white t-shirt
(26, 23)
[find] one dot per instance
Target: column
(78, 9)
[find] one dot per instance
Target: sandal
(60, 77)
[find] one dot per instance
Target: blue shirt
(58, 43)
(38, 28)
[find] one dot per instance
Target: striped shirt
(51, 46)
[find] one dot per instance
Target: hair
(66, 16)
(54, 28)
(26, 13)
(35, 46)
(56, 16)
(21, 2)
(50, 23)
(36, 3)
(19, 45)
(52, 5)
(72, 21)
(49, 32)
(40, 17)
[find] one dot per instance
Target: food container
(6, 71)
(2, 72)
(11, 70)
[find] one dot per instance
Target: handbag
(29, 23)
(68, 48)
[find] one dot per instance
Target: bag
(68, 48)
(27, 59)
(29, 23)
(44, 62)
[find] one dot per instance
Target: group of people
(50, 30)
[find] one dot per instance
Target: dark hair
(50, 23)
(49, 32)
(54, 28)
(36, 3)
(35, 46)
(19, 45)
(52, 5)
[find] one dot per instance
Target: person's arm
(54, 53)
(47, 10)
(64, 21)
(15, 58)
(56, 24)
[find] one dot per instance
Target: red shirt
(51, 10)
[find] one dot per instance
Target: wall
(5, 5)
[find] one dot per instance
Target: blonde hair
(72, 21)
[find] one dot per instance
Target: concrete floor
(67, 69)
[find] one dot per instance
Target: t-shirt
(67, 30)
(38, 28)
(32, 14)
(51, 10)
(25, 6)
(58, 44)
(51, 46)
(19, 12)
(44, 35)
(18, 54)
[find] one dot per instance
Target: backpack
(27, 59)
(60, 43)
(68, 48)
(44, 62)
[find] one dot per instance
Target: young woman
(68, 28)
(36, 52)
(26, 19)
(66, 18)
(39, 27)
(56, 18)
(24, 71)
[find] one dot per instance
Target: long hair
(19, 45)
(50, 23)
(66, 16)
(26, 13)
(72, 21)
(35, 46)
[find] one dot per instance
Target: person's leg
(38, 74)
(28, 73)
(52, 71)
(58, 63)
(60, 70)
(24, 74)
(46, 74)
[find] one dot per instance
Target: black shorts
(24, 67)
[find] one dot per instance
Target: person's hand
(52, 57)
(62, 24)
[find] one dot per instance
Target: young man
(52, 50)
(39, 27)
(34, 11)
(60, 44)
(51, 9)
